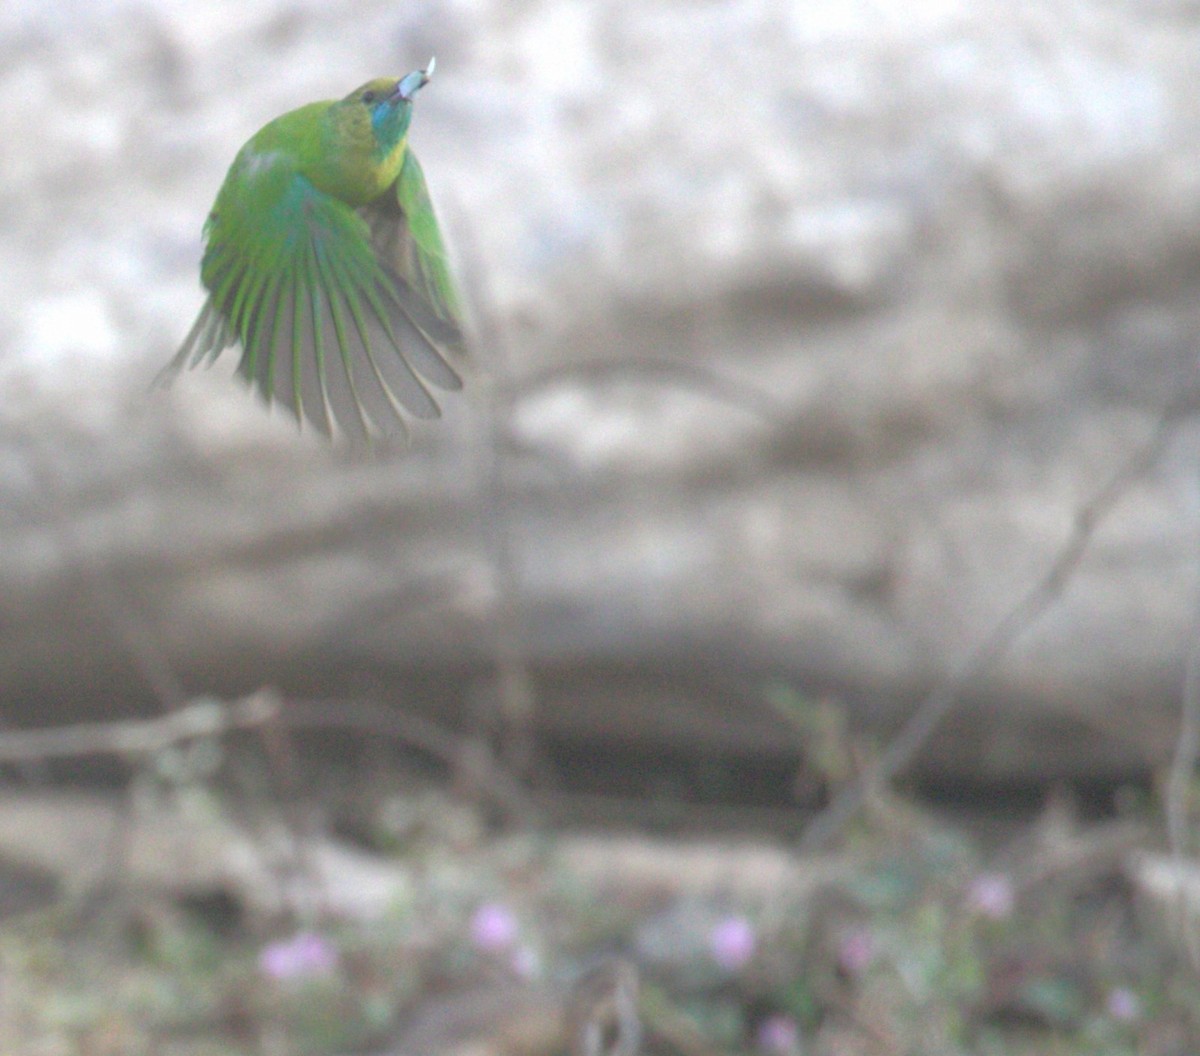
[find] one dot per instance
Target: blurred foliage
(932, 941)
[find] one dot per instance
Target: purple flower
(493, 928)
(1123, 1004)
(779, 1035)
(305, 955)
(856, 951)
(732, 943)
(991, 896)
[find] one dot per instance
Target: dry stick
(264, 710)
(139, 737)
(515, 689)
(516, 695)
(1179, 780)
(380, 721)
(1096, 851)
(275, 736)
(135, 739)
(145, 652)
(929, 715)
(674, 1026)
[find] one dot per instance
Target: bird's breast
(354, 167)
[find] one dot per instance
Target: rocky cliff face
(806, 332)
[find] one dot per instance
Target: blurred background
(835, 366)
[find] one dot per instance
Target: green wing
(408, 243)
(324, 327)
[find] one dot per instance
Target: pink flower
(493, 928)
(305, 955)
(1123, 1004)
(856, 951)
(732, 943)
(779, 1035)
(991, 896)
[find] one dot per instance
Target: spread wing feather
(408, 245)
(329, 325)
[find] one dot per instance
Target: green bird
(325, 265)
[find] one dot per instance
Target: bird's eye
(368, 97)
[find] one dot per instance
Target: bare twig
(601, 1012)
(112, 615)
(456, 751)
(139, 737)
(931, 712)
(666, 1021)
(515, 693)
(1098, 850)
(1177, 794)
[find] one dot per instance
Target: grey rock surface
(806, 332)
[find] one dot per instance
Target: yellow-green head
(363, 137)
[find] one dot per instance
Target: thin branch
(516, 693)
(264, 710)
(139, 737)
(1177, 794)
(459, 753)
(932, 711)
(669, 1023)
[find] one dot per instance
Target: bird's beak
(411, 83)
